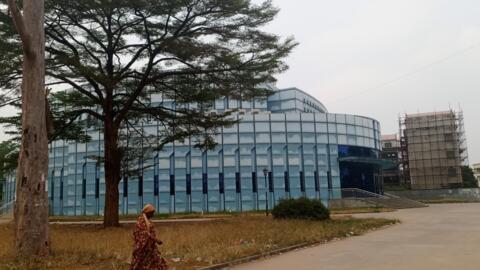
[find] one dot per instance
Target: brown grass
(187, 246)
(158, 216)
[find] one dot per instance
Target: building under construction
(433, 149)
(391, 151)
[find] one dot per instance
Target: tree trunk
(112, 174)
(31, 207)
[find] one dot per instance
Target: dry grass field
(187, 246)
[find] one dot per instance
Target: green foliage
(66, 123)
(302, 208)
(66, 126)
(117, 55)
(10, 59)
(469, 180)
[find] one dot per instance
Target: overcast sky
(383, 58)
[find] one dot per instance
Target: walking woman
(145, 252)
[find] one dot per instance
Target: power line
(411, 73)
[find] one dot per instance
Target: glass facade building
(285, 146)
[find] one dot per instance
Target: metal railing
(406, 201)
(357, 197)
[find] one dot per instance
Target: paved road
(440, 237)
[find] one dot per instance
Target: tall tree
(117, 55)
(31, 207)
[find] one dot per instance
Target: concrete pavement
(439, 237)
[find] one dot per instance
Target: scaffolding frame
(433, 149)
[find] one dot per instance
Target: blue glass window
(341, 129)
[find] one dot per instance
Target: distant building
(476, 171)
(433, 147)
(391, 151)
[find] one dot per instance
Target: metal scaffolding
(433, 149)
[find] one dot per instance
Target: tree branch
(79, 88)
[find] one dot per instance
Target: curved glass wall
(294, 100)
(358, 168)
(266, 156)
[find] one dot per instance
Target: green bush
(302, 208)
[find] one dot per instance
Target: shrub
(302, 208)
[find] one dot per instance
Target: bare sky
(383, 58)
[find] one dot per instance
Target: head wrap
(148, 209)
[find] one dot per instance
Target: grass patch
(187, 246)
(219, 215)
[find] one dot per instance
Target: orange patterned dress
(145, 252)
